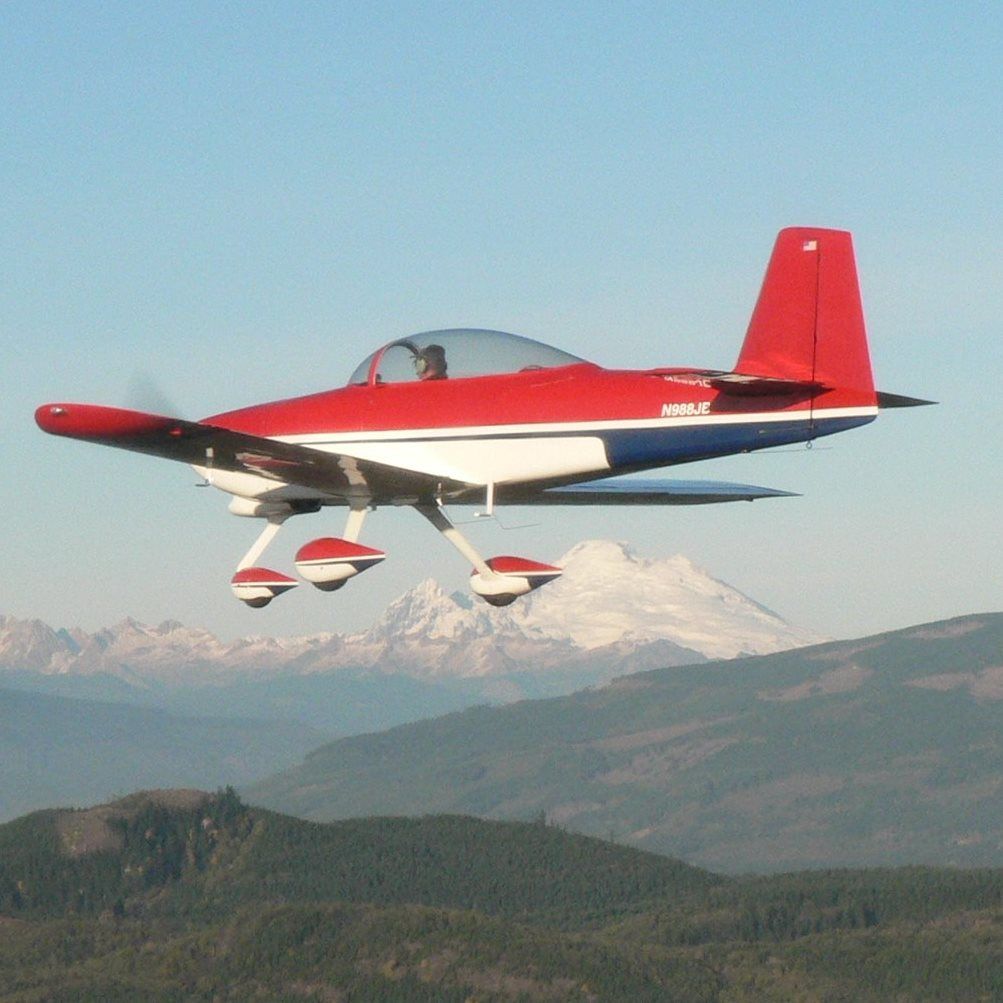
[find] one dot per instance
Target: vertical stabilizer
(808, 324)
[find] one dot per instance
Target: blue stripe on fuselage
(661, 446)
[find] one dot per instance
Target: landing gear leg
(264, 539)
(497, 580)
(438, 518)
(353, 524)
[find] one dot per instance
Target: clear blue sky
(218, 204)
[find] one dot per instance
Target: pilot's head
(430, 363)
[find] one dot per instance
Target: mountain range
(84, 716)
(611, 613)
(880, 751)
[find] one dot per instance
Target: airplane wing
(204, 445)
(637, 491)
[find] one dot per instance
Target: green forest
(181, 895)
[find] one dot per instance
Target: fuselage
(545, 426)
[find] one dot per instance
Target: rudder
(808, 323)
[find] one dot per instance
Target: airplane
(461, 417)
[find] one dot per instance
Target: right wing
(638, 491)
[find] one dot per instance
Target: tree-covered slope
(181, 895)
(881, 751)
(112, 856)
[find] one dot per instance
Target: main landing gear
(326, 563)
(329, 562)
(497, 580)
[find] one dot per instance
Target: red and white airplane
(486, 418)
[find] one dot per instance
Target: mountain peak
(424, 612)
(594, 551)
(608, 594)
(169, 626)
(30, 645)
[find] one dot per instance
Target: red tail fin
(808, 324)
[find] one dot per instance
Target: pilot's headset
(431, 357)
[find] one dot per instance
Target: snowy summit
(608, 593)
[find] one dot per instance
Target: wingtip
(96, 421)
(49, 417)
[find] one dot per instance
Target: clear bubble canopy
(467, 351)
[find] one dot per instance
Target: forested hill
(175, 895)
(112, 856)
(880, 751)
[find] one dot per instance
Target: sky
(207, 205)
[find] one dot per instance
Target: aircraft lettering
(689, 381)
(688, 409)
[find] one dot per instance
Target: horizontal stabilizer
(636, 491)
(743, 384)
(897, 400)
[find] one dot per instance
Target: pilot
(430, 363)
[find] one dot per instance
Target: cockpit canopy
(468, 352)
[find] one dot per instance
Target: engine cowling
(257, 587)
(329, 562)
(512, 577)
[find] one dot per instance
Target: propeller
(143, 393)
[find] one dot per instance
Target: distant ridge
(428, 654)
(55, 750)
(879, 751)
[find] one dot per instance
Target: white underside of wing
(469, 461)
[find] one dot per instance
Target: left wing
(218, 448)
(203, 445)
(636, 491)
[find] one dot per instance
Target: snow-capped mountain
(33, 646)
(611, 611)
(608, 593)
